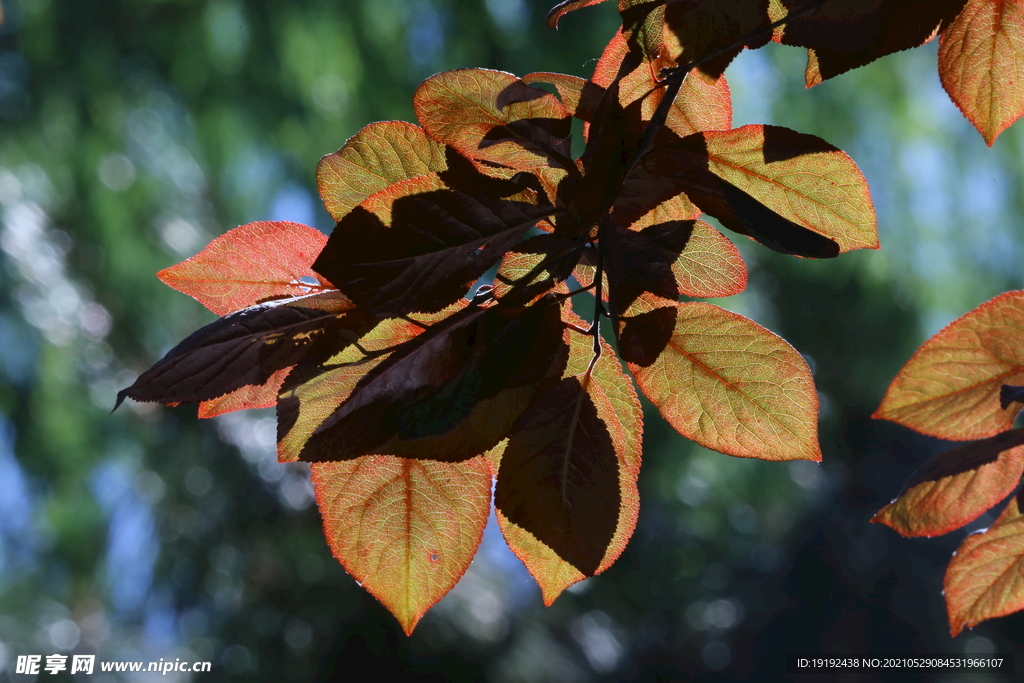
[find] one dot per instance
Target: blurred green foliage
(134, 131)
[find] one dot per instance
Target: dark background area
(134, 132)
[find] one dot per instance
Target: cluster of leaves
(980, 41)
(411, 392)
(962, 384)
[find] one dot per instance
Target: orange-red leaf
(379, 155)
(956, 487)
(250, 264)
(248, 397)
(405, 529)
(985, 578)
(981, 62)
(950, 387)
(611, 393)
(732, 386)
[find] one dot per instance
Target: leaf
(419, 245)
(249, 397)
(792, 192)
(428, 399)
(250, 264)
(493, 117)
(702, 103)
(314, 393)
(562, 256)
(566, 6)
(639, 262)
(376, 157)
(579, 96)
(543, 550)
(981, 62)
(695, 28)
(734, 387)
(845, 34)
(710, 265)
(405, 529)
(985, 578)
(956, 487)
(950, 386)
(248, 347)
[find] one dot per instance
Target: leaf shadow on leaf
(965, 458)
(545, 137)
(686, 162)
(566, 494)
(428, 398)
(703, 27)
(845, 34)
(642, 338)
(438, 243)
(783, 144)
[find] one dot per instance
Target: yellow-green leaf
(800, 177)
(950, 387)
(376, 157)
(732, 386)
(956, 487)
(981, 62)
(404, 529)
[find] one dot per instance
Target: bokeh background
(132, 132)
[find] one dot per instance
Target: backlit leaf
(845, 34)
(404, 529)
(249, 397)
(560, 254)
(800, 178)
(544, 550)
(419, 245)
(695, 28)
(981, 62)
(429, 398)
(306, 401)
(956, 487)
(710, 265)
(579, 96)
(702, 103)
(250, 264)
(950, 387)
(566, 6)
(985, 578)
(248, 347)
(494, 117)
(379, 155)
(732, 386)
